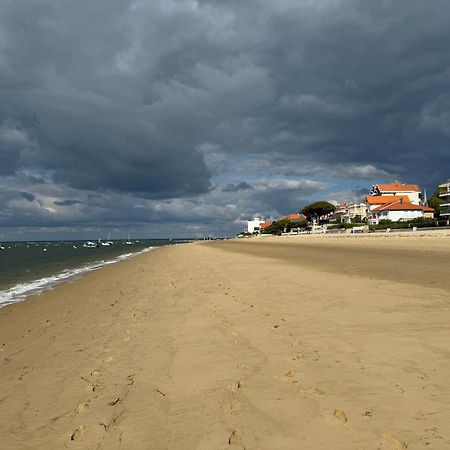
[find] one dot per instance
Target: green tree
(317, 209)
(297, 223)
(277, 227)
(435, 202)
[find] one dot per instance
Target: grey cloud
(14, 142)
(241, 186)
(352, 75)
(67, 202)
(27, 196)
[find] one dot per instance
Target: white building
(399, 210)
(254, 226)
(444, 194)
(412, 191)
(349, 211)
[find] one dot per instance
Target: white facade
(357, 209)
(445, 197)
(396, 216)
(353, 210)
(254, 225)
(397, 189)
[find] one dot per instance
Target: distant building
(357, 209)
(265, 225)
(444, 194)
(399, 210)
(395, 201)
(374, 202)
(347, 212)
(254, 226)
(341, 212)
(412, 191)
(296, 222)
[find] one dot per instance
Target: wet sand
(272, 343)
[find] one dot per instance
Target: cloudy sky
(179, 117)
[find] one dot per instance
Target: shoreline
(35, 286)
(256, 344)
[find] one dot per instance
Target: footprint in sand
(235, 407)
(78, 432)
(98, 387)
(235, 439)
(319, 392)
(236, 385)
(299, 358)
(394, 442)
(81, 408)
(290, 376)
(340, 415)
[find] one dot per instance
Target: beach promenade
(308, 342)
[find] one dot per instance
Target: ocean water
(31, 267)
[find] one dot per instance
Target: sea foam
(20, 291)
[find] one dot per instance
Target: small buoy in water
(45, 249)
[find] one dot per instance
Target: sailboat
(108, 242)
(90, 244)
(128, 242)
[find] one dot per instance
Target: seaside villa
(349, 211)
(254, 226)
(412, 191)
(399, 210)
(445, 197)
(396, 202)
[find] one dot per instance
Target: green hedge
(419, 223)
(345, 226)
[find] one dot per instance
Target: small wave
(18, 292)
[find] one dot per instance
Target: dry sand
(277, 343)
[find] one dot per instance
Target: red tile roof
(294, 217)
(398, 187)
(402, 206)
(265, 225)
(384, 199)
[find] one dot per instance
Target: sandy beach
(308, 342)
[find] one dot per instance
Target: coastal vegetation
(316, 210)
(285, 225)
(345, 226)
(420, 222)
(435, 202)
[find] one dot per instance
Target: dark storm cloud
(241, 186)
(144, 99)
(367, 76)
(27, 196)
(67, 202)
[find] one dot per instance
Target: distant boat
(90, 244)
(108, 243)
(1, 247)
(128, 242)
